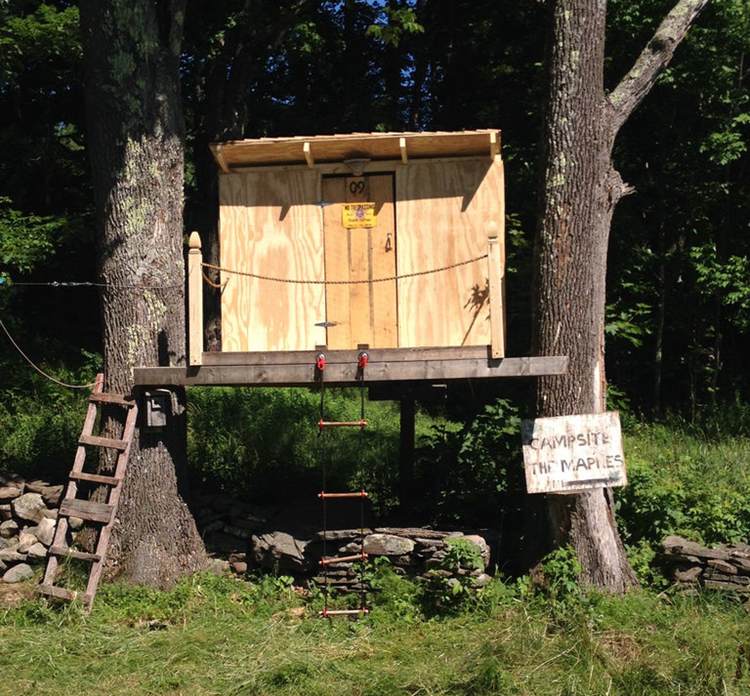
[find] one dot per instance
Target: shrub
(468, 470)
(449, 586)
(684, 483)
(264, 443)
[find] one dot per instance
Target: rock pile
(725, 567)
(28, 515)
(270, 539)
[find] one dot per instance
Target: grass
(219, 635)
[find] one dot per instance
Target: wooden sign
(573, 453)
(358, 215)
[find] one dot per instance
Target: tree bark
(135, 143)
(578, 193)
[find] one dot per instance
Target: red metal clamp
(362, 359)
(320, 362)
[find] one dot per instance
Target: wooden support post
(495, 279)
(306, 149)
(402, 147)
(195, 300)
(494, 145)
(406, 453)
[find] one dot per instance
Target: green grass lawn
(218, 635)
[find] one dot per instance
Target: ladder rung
(86, 510)
(112, 399)
(72, 553)
(362, 423)
(57, 592)
(344, 612)
(358, 494)
(94, 478)
(342, 559)
(97, 441)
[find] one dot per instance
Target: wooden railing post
(495, 279)
(195, 300)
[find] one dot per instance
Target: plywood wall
(442, 214)
(271, 223)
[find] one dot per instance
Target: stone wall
(274, 540)
(691, 565)
(28, 516)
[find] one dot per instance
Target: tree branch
(653, 59)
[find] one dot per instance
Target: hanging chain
(322, 460)
(363, 589)
(364, 281)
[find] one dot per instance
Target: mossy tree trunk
(578, 194)
(135, 143)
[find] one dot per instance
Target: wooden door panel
(336, 264)
(361, 313)
(357, 191)
(384, 304)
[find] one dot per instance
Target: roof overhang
(370, 146)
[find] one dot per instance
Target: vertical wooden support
(307, 151)
(402, 147)
(495, 274)
(406, 453)
(494, 145)
(195, 300)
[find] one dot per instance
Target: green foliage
(449, 586)
(393, 595)
(680, 248)
(560, 587)
(728, 279)
(261, 442)
(461, 553)
(397, 22)
(683, 483)
(642, 557)
(26, 240)
(470, 468)
(39, 426)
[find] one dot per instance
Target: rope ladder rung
(343, 612)
(361, 423)
(332, 560)
(323, 495)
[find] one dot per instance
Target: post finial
(492, 229)
(194, 242)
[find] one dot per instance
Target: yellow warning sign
(358, 215)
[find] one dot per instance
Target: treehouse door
(360, 244)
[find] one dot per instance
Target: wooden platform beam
(297, 368)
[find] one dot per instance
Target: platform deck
(297, 368)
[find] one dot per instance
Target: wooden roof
(336, 148)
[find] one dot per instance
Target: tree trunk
(135, 142)
(661, 315)
(578, 193)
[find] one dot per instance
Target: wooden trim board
(348, 356)
(372, 167)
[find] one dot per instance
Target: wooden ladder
(88, 510)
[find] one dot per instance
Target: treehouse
(389, 244)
